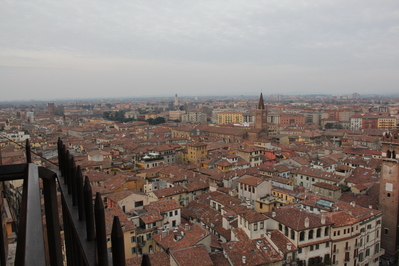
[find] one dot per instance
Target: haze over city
(80, 49)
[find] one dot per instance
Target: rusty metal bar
(52, 218)
(145, 260)
(79, 192)
(118, 244)
(89, 214)
(73, 182)
(101, 234)
(30, 246)
(28, 152)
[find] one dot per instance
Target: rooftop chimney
(244, 259)
(273, 214)
(289, 245)
(307, 222)
(323, 219)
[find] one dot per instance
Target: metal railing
(83, 223)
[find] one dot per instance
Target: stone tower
(261, 115)
(389, 192)
(176, 102)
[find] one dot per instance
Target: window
(386, 231)
(133, 250)
(255, 227)
(318, 232)
(311, 248)
(175, 212)
(367, 252)
(377, 248)
(261, 225)
(280, 227)
(327, 244)
(138, 203)
(326, 231)
(299, 250)
(292, 234)
(170, 214)
(317, 246)
(310, 236)
(302, 236)
(132, 239)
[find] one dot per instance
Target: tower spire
(261, 104)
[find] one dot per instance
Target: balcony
(83, 223)
(336, 251)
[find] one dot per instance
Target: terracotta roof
(219, 259)
(251, 180)
(187, 256)
(163, 205)
(294, 218)
(151, 217)
(190, 237)
(109, 218)
(167, 192)
(255, 252)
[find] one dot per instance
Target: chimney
(289, 245)
(307, 222)
(323, 219)
(244, 259)
(186, 227)
(273, 214)
(269, 234)
(370, 206)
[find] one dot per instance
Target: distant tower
(51, 108)
(389, 192)
(261, 115)
(176, 100)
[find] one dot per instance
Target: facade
(194, 117)
(196, 152)
(389, 193)
(292, 119)
(252, 188)
(230, 118)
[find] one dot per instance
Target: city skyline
(81, 49)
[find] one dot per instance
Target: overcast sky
(127, 48)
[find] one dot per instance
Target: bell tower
(389, 192)
(261, 115)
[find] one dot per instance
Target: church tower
(261, 115)
(389, 192)
(176, 103)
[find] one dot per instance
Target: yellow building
(278, 197)
(230, 117)
(386, 123)
(196, 152)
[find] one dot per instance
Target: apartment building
(230, 118)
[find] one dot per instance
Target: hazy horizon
(112, 49)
